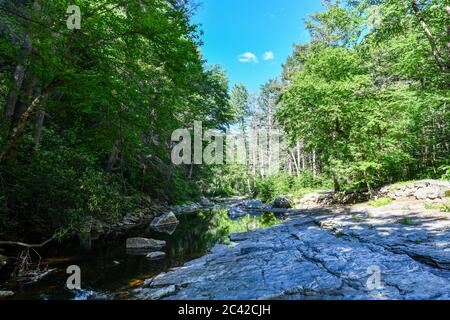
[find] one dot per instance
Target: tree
(374, 107)
(88, 113)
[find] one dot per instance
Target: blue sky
(251, 39)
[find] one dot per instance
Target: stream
(108, 272)
(319, 253)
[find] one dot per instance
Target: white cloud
(269, 55)
(248, 57)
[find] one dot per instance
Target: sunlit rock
(167, 223)
(282, 203)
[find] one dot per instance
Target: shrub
(59, 190)
(380, 202)
(445, 172)
(407, 221)
(268, 188)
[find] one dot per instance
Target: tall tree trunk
(434, 47)
(369, 187)
(269, 139)
(113, 157)
(39, 125)
(448, 27)
(299, 158)
(191, 170)
(337, 186)
(17, 131)
(297, 169)
(18, 78)
(314, 163)
(11, 100)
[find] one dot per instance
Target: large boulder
(432, 190)
(350, 197)
(431, 193)
(282, 203)
(317, 199)
(144, 244)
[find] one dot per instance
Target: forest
(87, 113)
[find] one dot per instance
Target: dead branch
(26, 245)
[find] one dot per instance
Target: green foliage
(368, 101)
(441, 207)
(101, 197)
(445, 171)
(239, 101)
(380, 202)
(407, 221)
(117, 89)
(339, 234)
(268, 188)
(307, 180)
(61, 190)
(224, 225)
(223, 192)
(445, 208)
(372, 104)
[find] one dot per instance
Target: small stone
(156, 255)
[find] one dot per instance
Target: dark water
(108, 272)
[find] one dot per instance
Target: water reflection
(107, 271)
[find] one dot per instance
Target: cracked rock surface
(333, 255)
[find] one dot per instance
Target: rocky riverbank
(397, 251)
(94, 230)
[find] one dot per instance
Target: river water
(108, 272)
